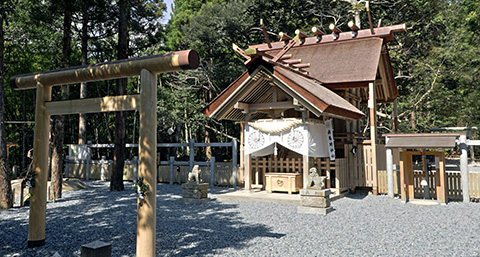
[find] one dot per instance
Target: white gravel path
(359, 226)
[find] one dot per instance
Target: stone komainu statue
(314, 180)
(194, 175)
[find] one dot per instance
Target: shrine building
(299, 104)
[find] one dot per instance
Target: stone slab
(195, 201)
(312, 210)
(194, 192)
(201, 186)
(314, 201)
(96, 249)
(315, 192)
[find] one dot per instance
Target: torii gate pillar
(38, 206)
(147, 149)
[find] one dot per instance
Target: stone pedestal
(96, 249)
(315, 201)
(195, 193)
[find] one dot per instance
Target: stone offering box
(316, 201)
(195, 193)
(283, 182)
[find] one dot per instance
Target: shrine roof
(310, 68)
(329, 101)
(252, 88)
(421, 140)
(341, 62)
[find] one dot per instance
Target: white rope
(282, 126)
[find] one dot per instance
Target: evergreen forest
(436, 63)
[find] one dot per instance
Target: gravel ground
(360, 226)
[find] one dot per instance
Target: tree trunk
(59, 121)
(82, 122)
(6, 199)
(116, 181)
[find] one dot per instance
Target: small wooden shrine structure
(298, 104)
(420, 176)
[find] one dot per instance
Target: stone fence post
(103, 161)
(212, 171)
(171, 162)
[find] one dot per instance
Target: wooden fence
(223, 172)
(77, 169)
(222, 177)
(368, 160)
(341, 174)
(454, 187)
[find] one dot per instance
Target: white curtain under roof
(306, 138)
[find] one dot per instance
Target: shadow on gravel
(356, 196)
(97, 214)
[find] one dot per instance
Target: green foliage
(141, 189)
(436, 62)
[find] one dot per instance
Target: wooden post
(464, 169)
(390, 181)
(443, 179)
(171, 162)
(135, 169)
(192, 153)
(146, 213)
(234, 162)
(247, 173)
(212, 171)
(372, 106)
(426, 189)
(409, 171)
(306, 166)
(438, 183)
(403, 180)
(38, 203)
(242, 151)
(88, 164)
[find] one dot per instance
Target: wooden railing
(260, 166)
(454, 186)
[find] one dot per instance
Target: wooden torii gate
(146, 102)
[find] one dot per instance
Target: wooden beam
(285, 57)
(168, 62)
(240, 51)
(251, 108)
(284, 50)
(94, 105)
(265, 34)
(301, 65)
(384, 32)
